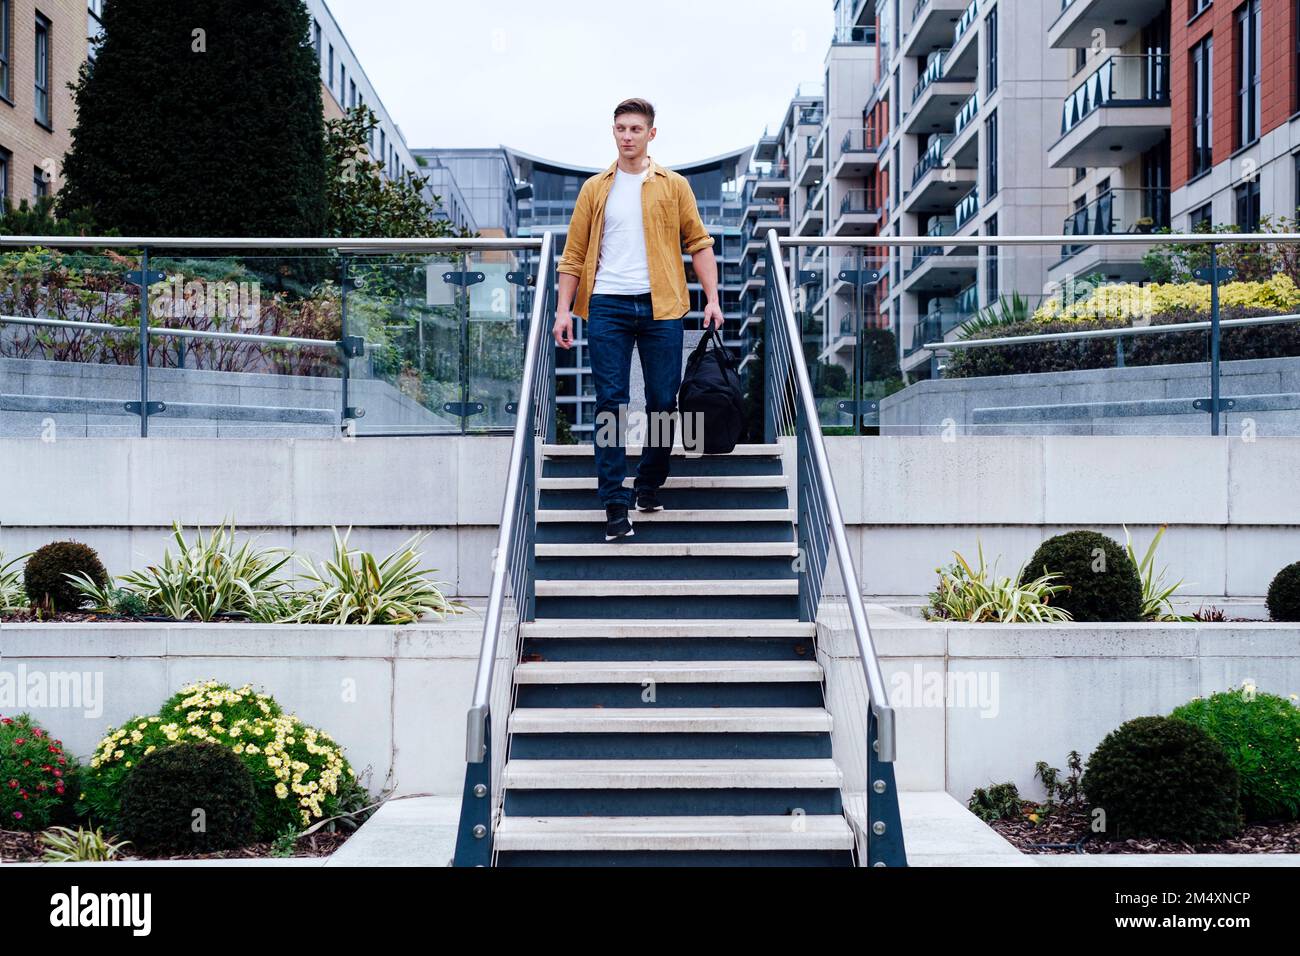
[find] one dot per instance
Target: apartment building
(42, 47)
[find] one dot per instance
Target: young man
(623, 263)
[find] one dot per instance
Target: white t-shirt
(622, 269)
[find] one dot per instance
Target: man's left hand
(713, 313)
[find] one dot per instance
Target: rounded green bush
(189, 798)
(45, 575)
(36, 776)
(1260, 733)
(1104, 584)
(1283, 601)
(1162, 777)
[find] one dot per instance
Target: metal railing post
(884, 819)
(474, 836)
(1214, 339)
(346, 372)
(144, 342)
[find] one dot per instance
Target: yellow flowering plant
(299, 772)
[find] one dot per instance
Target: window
(343, 82)
(94, 25)
(1297, 181)
(316, 38)
(352, 94)
(41, 68)
(1080, 173)
(1080, 58)
(1248, 206)
(1249, 54)
(1202, 65)
(329, 77)
(1196, 6)
(991, 143)
(6, 47)
(991, 41)
(39, 186)
(1201, 219)
(6, 163)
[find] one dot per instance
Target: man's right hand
(563, 331)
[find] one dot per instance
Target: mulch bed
(1069, 831)
(25, 615)
(21, 847)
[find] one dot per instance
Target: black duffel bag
(712, 391)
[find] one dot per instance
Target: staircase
(668, 705)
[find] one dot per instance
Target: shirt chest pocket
(663, 217)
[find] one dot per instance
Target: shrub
(999, 802)
(298, 771)
(1260, 733)
(209, 577)
(1103, 583)
(45, 578)
(35, 775)
(1156, 595)
(65, 845)
(1283, 600)
(977, 594)
(161, 795)
(354, 588)
(1161, 777)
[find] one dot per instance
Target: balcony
(813, 169)
(937, 99)
(937, 183)
(811, 115)
(1120, 21)
(1115, 115)
(773, 181)
(859, 214)
(865, 34)
(941, 268)
(933, 22)
(967, 208)
(1117, 212)
(767, 147)
(932, 158)
(963, 57)
(864, 13)
(857, 155)
(936, 324)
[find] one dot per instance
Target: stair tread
(698, 672)
(552, 720)
(671, 549)
(766, 773)
(784, 515)
(642, 587)
(786, 832)
(667, 628)
(587, 450)
(590, 482)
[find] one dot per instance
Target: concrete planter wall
(907, 501)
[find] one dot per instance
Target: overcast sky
(544, 77)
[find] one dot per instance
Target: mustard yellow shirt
(672, 224)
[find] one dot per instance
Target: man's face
(632, 131)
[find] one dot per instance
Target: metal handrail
(1122, 332)
(163, 331)
(816, 493)
(1148, 239)
(287, 242)
(518, 516)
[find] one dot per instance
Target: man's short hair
(636, 105)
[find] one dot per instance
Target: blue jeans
(614, 324)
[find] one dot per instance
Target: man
(623, 263)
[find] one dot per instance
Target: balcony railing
(862, 34)
(1115, 212)
(970, 109)
(1140, 80)
(932, 159)
(859, 201)
(967, 21)
(932, 73)
(812, 115)
(967, 207)
(778, 170)
(968, 299)
(860, 141)
(920, 6)
(939, 226)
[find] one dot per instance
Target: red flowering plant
(35, 775)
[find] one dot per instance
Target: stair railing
(512, 594)
(791, 410)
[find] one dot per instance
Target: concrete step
(588, 450)
(695, 834)
(669, 629)
(670, 720)
(568, 588)
(671, 549)
(666, 672)
(590, 483)
(785, 515)
(670, 774)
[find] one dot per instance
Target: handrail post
(474, 836)
(346, 371)
(1214, 339)
(144, 342)
(884, 818)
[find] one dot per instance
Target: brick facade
(31, 144)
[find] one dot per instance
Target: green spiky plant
(1156, 594)
(65, 845)
(1006, 311)
(12, 594)
(975, 594)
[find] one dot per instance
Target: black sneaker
(648, 500)
(617, 523)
